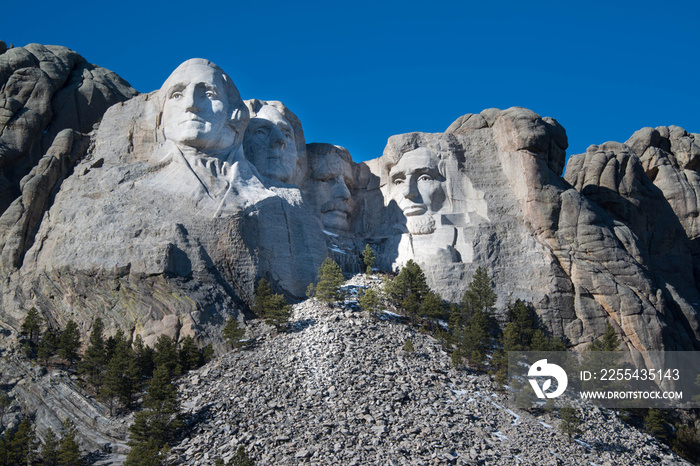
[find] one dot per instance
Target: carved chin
(335, 219)
(420, 224)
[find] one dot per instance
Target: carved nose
(277, 139)
(340, 190)
(188, 101)
(410, 190)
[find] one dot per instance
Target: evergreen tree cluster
(369, 259)
(410, 293)
(43, 346)
(21, 446)
(330, 279)
(117, 370)
(270, 306)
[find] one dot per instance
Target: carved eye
(260, 132)
(176, 95)
(211, 94)
(288, 135)
(425, 178)
(398, 180)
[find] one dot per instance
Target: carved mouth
(414, 210)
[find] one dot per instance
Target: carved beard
(420, 224)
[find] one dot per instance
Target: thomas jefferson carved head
(329, 185)
(274, 141)
(202, 110)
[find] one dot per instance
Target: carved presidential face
(333, 179)
(417, 187)
(270, 144)
(197, 112)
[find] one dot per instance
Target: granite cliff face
(165, 224)
(161, 219)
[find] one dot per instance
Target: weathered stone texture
(44, 90)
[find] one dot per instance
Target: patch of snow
(337, 250)
(499, 435)
(546, 425)
(580, 442)
(459, 392)
(516, 416)
(330, 234)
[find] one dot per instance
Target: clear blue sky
(358, 72)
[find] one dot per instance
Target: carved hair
(255, 106)
(443, 146)
(240, 115)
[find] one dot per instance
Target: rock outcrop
(43, 91)
(157, 240)
(162, 218)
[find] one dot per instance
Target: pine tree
(190, 356)
(368, 258)
(278, 312)
(5, 402)
(166, 355)
(330, 279)
(241, 458)
(474, 340)
(408, 290)
(68, 449)
(48, 345)
(263, 293)
(479, 295)
(432, 307)
(69, 342)
(21, 444)
(31, 327)
(158, 420)
(144, 357)
(122, 377)
(49, 449)
(370, 301)
(686, 441)
(233, 333)
(608, 342)
(147, 453)
(570, 422)
(207, 353)
(654, 424)
(408, 346)
(94, 361)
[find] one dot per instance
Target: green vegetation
(95, 358)
(156, 425)
(271, 306)
(655, 424)
(608, 342)
(570, 422)
(473, 324)
(69, 342)
(68, 453)
(233, 333)
(409, 292)
(31, 327)
(370, 300)
(330, 279)
(369, 259)
(241, 458)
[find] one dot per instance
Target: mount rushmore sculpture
(163, 220)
